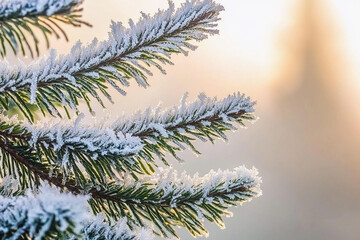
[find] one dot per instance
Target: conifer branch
(130, 144)
(128, 54)
(19, 19)
(168, 200)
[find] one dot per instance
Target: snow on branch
(37, 214)
(186, 116)
(127, 54)
(165, 198)
(25, 8)
(178, 189)
(72, 136)
(125, 142)
(19, 19)
(9, 186)
(173, 129)
(99, 228)
(47, 212)
(69, 144)
(171, 199)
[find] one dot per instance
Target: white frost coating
(22, 8)
(122, 136)
(195, 20)
(8, 185)
(40, 210)
(184, 115)
(98, 226)
(178, 185)
(96, 140)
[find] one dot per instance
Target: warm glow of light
(249, 39)
(255, 27)
(348, 19)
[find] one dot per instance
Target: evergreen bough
(65, 179)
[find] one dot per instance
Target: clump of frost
(99, 226)
(37, 212)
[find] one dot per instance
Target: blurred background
(300, 60)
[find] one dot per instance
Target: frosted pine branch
(127, 54)
(168, 199)
(186, 116)
(19, 19)
(177, 189)
(206, 119)
(71, 135)
(123, 145)
(25, 8)
(37, 215)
